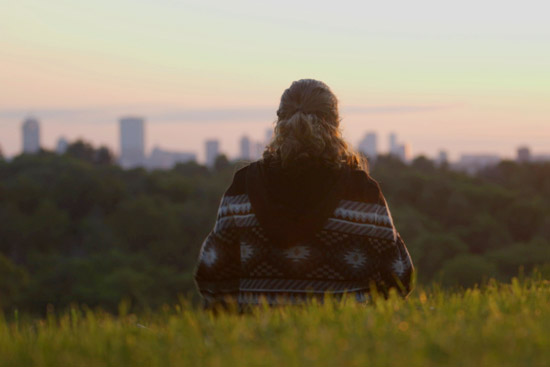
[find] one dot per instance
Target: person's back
(304, 221)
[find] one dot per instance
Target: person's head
(308, 129)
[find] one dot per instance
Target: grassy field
(499, 325)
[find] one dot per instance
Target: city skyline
(465, 76)
(132, 153)
(188, 135)
(132, 142)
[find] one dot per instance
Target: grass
(499, 325)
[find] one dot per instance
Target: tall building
(31, 135)
(403, 152)
(393, 144)
(245, 148)
(524, 154)
(369, 145)
(442, 157)
(62, 145)
(132, 142)
(212, 152)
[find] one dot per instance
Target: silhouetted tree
(423, 164)
(104, 156)
(191, 168)
(82, 150)
(221, 163)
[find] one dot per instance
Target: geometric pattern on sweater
(235, 211)
(362, 219)
(357, 246)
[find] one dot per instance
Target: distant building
(369, 145)
(132, 142)
(164, 159)
(393, 144)
(31, 135)
(473, 163)
(442, 157)
(541, 158)
(524, 154)
(403, 152)
(62, 145)
(245, 148)
(212, 152)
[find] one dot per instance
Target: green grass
(499, 325)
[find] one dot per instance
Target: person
(304, 221)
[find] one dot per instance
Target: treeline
(78, 228)
(462, 229)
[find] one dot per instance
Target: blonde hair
(307, 129)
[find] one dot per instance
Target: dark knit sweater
(284, 237)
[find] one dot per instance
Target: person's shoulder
(238, 185)
(362, 187)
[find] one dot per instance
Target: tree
(423, 164)
(85, 151)
(467, 270)
(13, 280)
(104, 156)
(431, 251)
(83, 231)
(523, 218)
(191, 168)
(81, 150)
(221, 163)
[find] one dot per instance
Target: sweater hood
(293, 205)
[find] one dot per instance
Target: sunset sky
(465, 76)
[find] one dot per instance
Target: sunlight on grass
(498, 325)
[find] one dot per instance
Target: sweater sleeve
(396, 267)
(217, 272)
(218, 269)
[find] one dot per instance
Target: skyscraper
(245, 148)
(31, 135)
(212, 152)
(62, 145)
(393, 144)
(369, 145)
(132, 142)
(403, 152)
(524, 154)
(442, 157)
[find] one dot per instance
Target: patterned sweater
(264, 246)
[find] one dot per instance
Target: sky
(467, 77)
